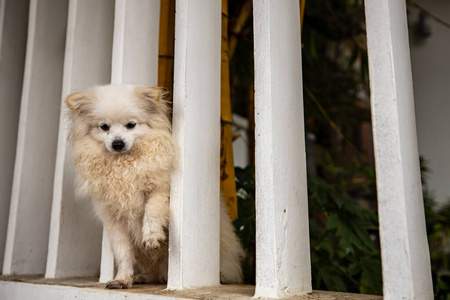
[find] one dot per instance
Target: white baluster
(194, 228)
(28, 229)
(283, 265)
(75, 237)
(405, 254)
(13, 38)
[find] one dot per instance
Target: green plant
(344, 253)
(438, 230)
(245, 223)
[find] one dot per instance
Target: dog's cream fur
(130, 186)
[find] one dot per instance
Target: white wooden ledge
(89, 289)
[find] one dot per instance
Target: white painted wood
(29, 220)
(2, 17)
(240, 145)
(11, 290)
(283, 265)
(194, 228)
(75, 237)
(134, 61)
(136, 42)
(19, 290)
(13, 38)
(405, 254)
(107, 268)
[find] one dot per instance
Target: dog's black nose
(118, 145)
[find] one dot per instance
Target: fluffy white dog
(124, 156)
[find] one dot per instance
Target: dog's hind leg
(123, 250)
(156, 219)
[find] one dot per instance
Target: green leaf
(333, 222)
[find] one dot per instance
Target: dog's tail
(231, 251)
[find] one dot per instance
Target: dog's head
(117, 116)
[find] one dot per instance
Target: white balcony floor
(37, 287)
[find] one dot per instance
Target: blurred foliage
(438, 229)
(345, 251)
(245, 223)
(335, 72)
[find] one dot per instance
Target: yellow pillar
(302, 12)
(227, 179)
(166, 44)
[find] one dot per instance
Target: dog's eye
(104, 127)
(131, 125)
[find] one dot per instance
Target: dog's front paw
(118, 284)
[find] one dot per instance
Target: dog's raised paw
(118, 284)
(151, 244)
(152, 235)
(152, 239)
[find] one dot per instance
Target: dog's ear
(152, 94)
(77, 102)
(152, 99)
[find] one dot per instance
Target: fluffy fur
(124, 156)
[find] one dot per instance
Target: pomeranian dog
(124, 156)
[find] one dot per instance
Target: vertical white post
(107, 268)
(194, 227)
(29, 219)
(75, 237)
(134, 61)
(404, 247)
(13, 40)
(136, 42)
(283, 265)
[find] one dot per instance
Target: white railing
(106, 41)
